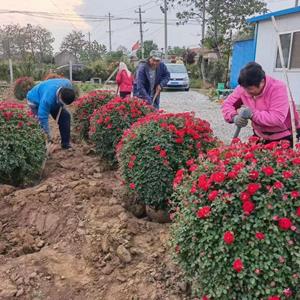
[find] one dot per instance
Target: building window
(291, 50)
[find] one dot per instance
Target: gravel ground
(205, 109)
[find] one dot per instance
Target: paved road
(205, 109)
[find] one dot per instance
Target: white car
(179, 78)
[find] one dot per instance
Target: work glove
(247, 112)
(239, 121)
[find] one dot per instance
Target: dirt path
(71, 238)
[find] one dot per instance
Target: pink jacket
(124, 81)
(271, 118)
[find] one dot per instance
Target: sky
(125, 32)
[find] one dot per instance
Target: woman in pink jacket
(124, 80)
(266, 100)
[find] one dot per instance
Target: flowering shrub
(237, 222)
(22, 145)
(109, 122)
(84, 108)
(158, 145)
(22, 86)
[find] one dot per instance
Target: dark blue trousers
(64, 123)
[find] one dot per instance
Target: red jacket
(124, 81)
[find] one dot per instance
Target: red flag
(136, 46)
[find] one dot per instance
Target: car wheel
(187, 89)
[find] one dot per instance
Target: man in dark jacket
(151, 78)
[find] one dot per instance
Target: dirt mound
(71, 238)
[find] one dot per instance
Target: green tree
(222, 16)
(20, 42)
(74, 42)
(92, 51)
(178, 51)
(148, 47)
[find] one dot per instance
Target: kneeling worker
(49, 98)
(266, 100)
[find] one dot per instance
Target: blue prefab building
(263, 48)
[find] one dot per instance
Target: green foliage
(22, 145)
(88, 87)
(237, 221)
(84, 108)
(18, 42)
(73, 43)
(222, 16)
(22, 86)
(196, 83)
(109, 122)
(216, 71)
(194, 71)
(148, 47)
(152, 151)
(177, 51)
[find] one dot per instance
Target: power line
(60, 12)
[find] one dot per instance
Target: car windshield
(176, 68)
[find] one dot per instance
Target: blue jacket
(143, 80)
(44, 97)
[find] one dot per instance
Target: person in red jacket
(124, 80)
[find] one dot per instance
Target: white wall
(267, 49)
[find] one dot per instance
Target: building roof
(279, 13)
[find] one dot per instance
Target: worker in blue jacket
(49, 98)
(151, 78)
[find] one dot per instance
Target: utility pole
(203, 37)
(203, 23)
(166, 28)
(89, 35)
(140, 12)
(109, 31)
(296, 3)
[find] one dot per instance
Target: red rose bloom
(268, 171)
(218, 177)
(245, 197)
(248, 207)
(298, 212)
(295, 194)
(203, 212)
(132, 186)
(232, 175)
(253, 188)
(203, 183)
(205, 298)
(193, 168)
(274, 298)
(260, 236)
(254, 175)
(163, 153)
(213, 195)
(285, 223)
(130, 164)
(193, 189)
(287, 174)
(228, 237)
(288, 292)
(296, 161)
(278, 185)
(238, 265)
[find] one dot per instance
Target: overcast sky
(125, 32)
